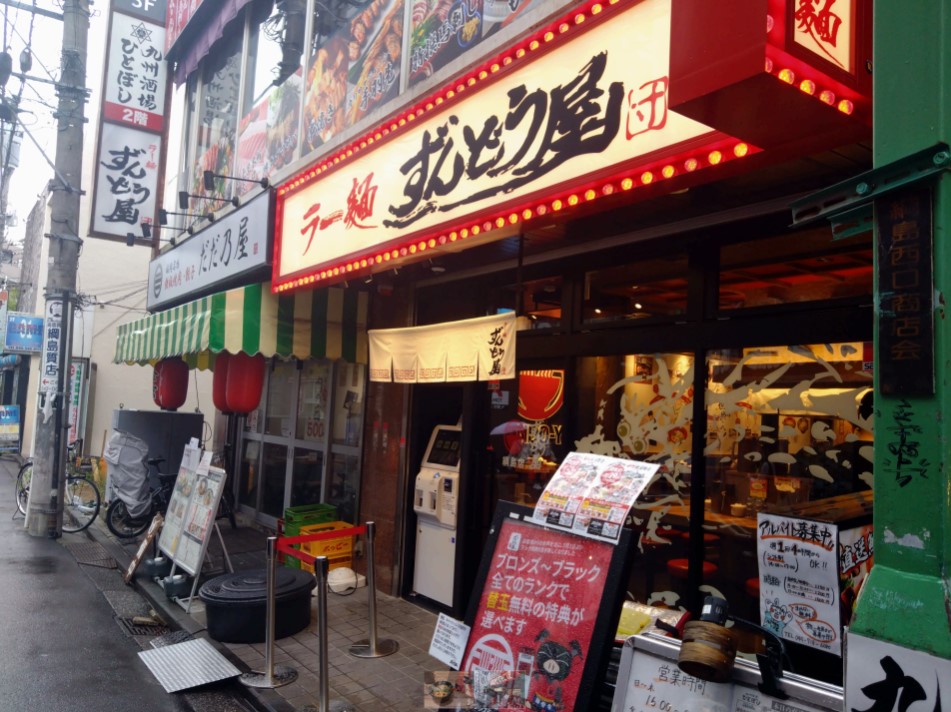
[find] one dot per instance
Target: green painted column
(906, 598)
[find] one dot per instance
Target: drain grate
(133, 628)
(91, 553)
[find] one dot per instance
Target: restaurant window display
(270, 117)
(217, 115)
(302, 445)
(355, 64)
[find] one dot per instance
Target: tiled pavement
(391, 683)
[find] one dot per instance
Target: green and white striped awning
(325, 323)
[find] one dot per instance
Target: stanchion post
(273, 676)
(321, 567)
(372, 648)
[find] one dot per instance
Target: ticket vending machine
(436, 503)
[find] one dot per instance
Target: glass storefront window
(541, 302)
(270, 117)
(805, 267)
(344, 485)
(313, 404)
(280, 418)
(348, 404)
(307, 477)
(217, 117)
(274, 477)
(640, 290)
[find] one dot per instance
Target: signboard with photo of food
(353, 71)
(440, 31)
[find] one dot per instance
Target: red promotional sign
(535, 634)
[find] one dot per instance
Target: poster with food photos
(191, 511)
(545, 601)
(591, 495)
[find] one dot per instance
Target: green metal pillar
(907, 597)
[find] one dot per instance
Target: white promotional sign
(135, 78)
(590, 495)
(877, 672)
(52, 343)
(127, 170)
(449, 641)
(799, 580)
(230, 247)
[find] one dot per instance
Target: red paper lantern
(244, 382)
(219, 383)
(170, 383)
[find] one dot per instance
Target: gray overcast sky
(38, 99)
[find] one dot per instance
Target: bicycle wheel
(121, 523)
(80, 505)
(24, 477)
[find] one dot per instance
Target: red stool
(751, 586)
(678, 568)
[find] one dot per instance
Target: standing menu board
(191, 511)
(799, 580)
(544, 621)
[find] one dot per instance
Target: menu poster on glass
(799, 580)
(591, 495)
(546, 611)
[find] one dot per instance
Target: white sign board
(126, 187)
(228, 248)
(52, 340)
(590, 495)
(876, 672)
(449, 641)
(135, 77)
(799, 580)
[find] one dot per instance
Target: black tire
(24, 477)
(80, 504)
(123, 525)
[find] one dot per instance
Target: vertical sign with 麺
(905, 329)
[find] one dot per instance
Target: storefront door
(302, 444)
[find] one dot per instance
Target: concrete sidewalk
(392, 684)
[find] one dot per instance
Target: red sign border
(599, 645)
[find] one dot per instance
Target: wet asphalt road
(61, 647)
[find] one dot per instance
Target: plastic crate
(296, 518)
(339, 552)
(309, 514)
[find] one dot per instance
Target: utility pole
(45, 513)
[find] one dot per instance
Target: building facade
(637, 182)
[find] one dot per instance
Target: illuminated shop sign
(515, 139)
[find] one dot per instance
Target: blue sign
(9, 428)
(24, 333)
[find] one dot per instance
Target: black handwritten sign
(906, 331)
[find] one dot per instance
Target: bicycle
(81, 502)
(123, 524)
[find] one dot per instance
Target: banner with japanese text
(132, 122)
(501, 143)
(799, 580)
(545, 608)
